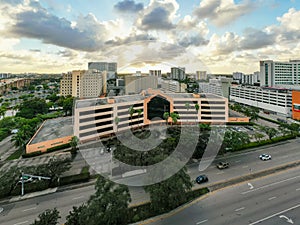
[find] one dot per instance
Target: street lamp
(29, 177)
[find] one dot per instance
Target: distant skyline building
(173, 86)
(137, 82)
(178, 73)
(156, 73)
(201, 75)
(109, 67)
(280, 74)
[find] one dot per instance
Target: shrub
(32, 154)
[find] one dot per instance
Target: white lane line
(79, 197)
(269, 185)
(298, 189)
(276, 214)
(203, 221)
(1, 210)
(239, 209)
(21, 222)
(33, 208)
(238, 161)
(220, 173)
(245, 167)
(271, 198)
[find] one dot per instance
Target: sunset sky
(220, 36)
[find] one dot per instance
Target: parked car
(201, 179)
(265, 157)
(222, 165)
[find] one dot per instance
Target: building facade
(83, 83)
(172, 86)
(95, 118)
(109, 67)
(275, 100)
(134, 84)
(280, 74)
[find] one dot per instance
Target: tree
(109, 205)
(30, 108)
(73, 143)
(49, 217)
(55, 167)
(76, 216)
(3, 110)
(67, 105)
(169, 193)
(271, 132)
(197, 107)
(258, 136)
(8, 180)
(235, 140)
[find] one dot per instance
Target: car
(265, 157)
(201, 179)
(222, 165)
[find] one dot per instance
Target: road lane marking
(271, 198)
(239, 209)
(245, 167)
(1, 210)
(276, 214)
(298, 189)
(203, 221)
(238, 161)
(78, 197)
(33, 208)
(21, 222)
(269, 185)
(221, 173)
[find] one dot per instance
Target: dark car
(201, 179)
(222, 165)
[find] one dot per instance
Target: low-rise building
(96, 118)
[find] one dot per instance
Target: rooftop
(53, 129)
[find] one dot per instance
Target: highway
(270, 200)
(24, 212)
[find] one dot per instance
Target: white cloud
(223, 12)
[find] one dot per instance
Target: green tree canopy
(31, 107)
(49, 217)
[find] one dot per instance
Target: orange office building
(296, 105)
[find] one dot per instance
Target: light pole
(28, 177)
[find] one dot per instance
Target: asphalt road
(273, 200)
(24, 212)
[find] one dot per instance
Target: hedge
(142, 212)
(265, 142)
(59, 147)
(32, 154)
(77, 178)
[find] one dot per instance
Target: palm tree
(174, 117)
(166, 116)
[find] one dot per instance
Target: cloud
(37, 23)
(67, 53)
(128, 6)
(255, 39)
(158, 15)
(35, 50)
(223, 12)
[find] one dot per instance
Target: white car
(265, 157)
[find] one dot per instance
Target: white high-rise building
(178, 73)
(280, 74)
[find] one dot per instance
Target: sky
(219, 36)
